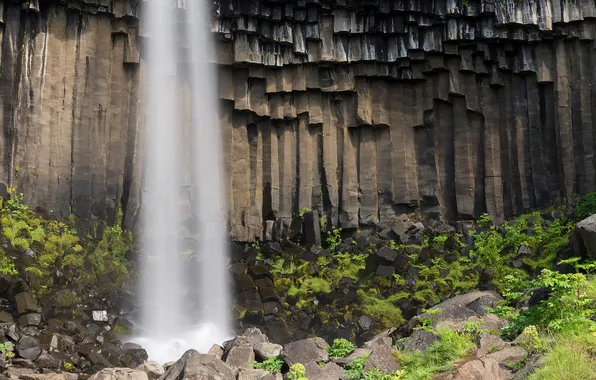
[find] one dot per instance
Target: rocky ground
(50, 353)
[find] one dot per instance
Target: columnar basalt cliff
(363, 110)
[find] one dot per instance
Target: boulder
(305, 351)
(478, 369)
(357, 353)
(6, 317)
(240, 357)
(420, 340)
(216, 350)
(29, 348)
(48, 376)
(329, 371)
(587, 231)
(509, 355)
(152, 369)
(30, 319)
(26, 303)
(252, 374)
(119, 374)
(193, 365)
(382, 359)
(488, 343)
(383, 338)
(266, 350)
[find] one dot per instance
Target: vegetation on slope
(50, 255)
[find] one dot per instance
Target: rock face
(360, 111)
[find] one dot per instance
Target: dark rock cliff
(364, 110)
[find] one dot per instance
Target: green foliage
(493, 249)
(353, 369)
(68, 366)
(84, 265)
(7, 350)
(437, 358)
(273, 364)
(383, 311)
(297, 372)
(340, 348)
(426, 322)
(473, 328)
(333, 239)
(586, 206)
(530, 340)
(571, 358)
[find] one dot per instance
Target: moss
(85, 265)
(382, 311)
(120, 330)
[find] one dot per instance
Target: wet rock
(99, 315)
(193, 365)
(134, 357)
(29, 348)
(26, 303)
(119, 374)
(382, 359)
(305, 351)
(329, 371)
(267, 350)
(420, 340)
(152, 369)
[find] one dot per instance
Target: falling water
(182, 155)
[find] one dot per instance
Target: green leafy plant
(68, 367)
(273, 364)
(297, 372)
(6, 349)
(340, 348)
(426, 322)
(353, 369)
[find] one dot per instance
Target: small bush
(272, 365)
(297, 372)
(586, 206)
(340, 348)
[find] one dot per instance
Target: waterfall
(184, 298)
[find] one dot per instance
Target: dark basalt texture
(362, 110)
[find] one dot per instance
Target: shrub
(586, 206)
(340, 348)
(273, 364)
(297, 372)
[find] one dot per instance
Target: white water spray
(175, 316)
